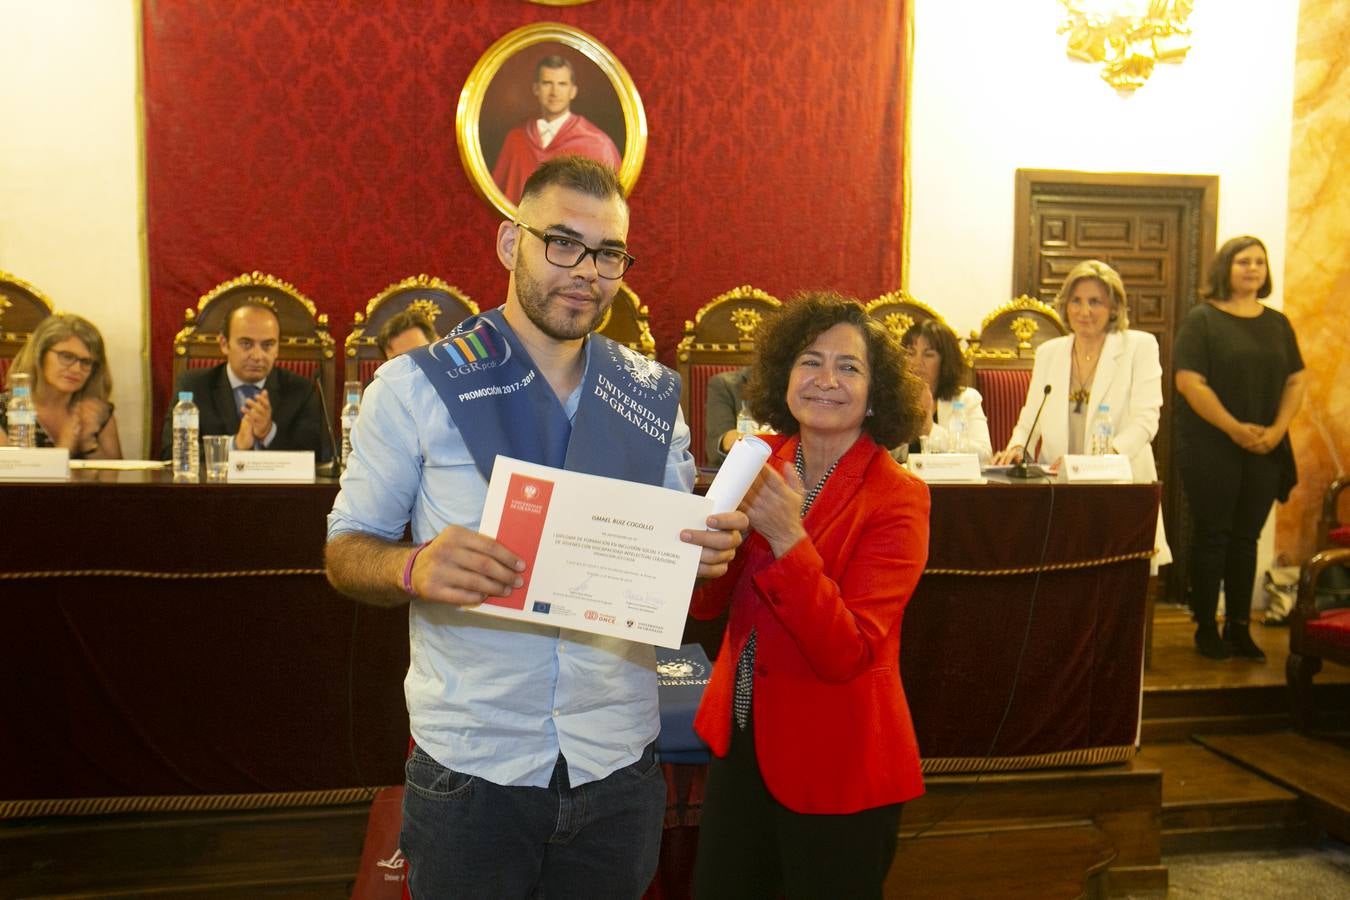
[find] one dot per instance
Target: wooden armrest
(1305, 608)
(1330, 508)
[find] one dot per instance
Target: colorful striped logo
(477, 345)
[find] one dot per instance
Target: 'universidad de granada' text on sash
(501, 403)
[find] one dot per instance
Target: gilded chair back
(22, 307)
(1002, 354)
(306, 346)
(627, 322)
(721, 338)
(898, 311)
(444, 304)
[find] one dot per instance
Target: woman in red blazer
(814, 751)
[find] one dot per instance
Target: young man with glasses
(534, 766)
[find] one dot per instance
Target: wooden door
(1158, 232)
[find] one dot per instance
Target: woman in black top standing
(1240, 377)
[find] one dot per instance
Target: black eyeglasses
(568, 253)
(68, 359)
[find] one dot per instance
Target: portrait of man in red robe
(554, 131)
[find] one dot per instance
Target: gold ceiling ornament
(1127, 36)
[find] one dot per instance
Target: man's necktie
(244, 393)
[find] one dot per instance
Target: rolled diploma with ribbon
(743, 462)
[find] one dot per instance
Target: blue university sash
(501, 403)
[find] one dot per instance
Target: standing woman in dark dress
(1240, 377)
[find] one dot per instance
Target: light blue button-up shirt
(486, 696)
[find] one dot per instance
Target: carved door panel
(1157, 231)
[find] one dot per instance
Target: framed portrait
(542, 91)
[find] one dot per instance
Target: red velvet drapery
(315, 141)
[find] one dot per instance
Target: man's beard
(561, 323)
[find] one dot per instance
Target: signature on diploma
(585, 581)
(641, 601)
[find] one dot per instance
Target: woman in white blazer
(935, 356)
(1101, 361)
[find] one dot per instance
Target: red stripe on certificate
(520, 529)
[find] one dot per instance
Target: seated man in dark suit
(264, 407)
(724, 404)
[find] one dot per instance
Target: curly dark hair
(952, 373)
(893, 391)
(1219, 285)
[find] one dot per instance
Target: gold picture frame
(498, 97)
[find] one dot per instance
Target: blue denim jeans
(466, 837)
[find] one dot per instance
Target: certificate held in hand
(601, 555)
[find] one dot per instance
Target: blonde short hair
(1110, 278)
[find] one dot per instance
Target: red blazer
(832, 727)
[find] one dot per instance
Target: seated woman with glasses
(70, 387)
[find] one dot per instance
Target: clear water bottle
(20, 414)
(186, 456)
(350, 410)
(745, 423)
(1102, 432)
(959, 440)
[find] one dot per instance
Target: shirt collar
(551, 129)
(236, 381)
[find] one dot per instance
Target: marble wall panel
(1317, 266)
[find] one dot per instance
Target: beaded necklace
(811, 495)
(1080, 395)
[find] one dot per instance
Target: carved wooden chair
(22, 307)
(628, 323)
(443, 304)
(1315, 634)
(306, 346)
(1319, 624)
(1002, 354)
(898, 311)
(721, 338)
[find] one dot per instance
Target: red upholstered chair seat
(1339, 535)
(1315, 635)
(1332, 627)
(1003, 391)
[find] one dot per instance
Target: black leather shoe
(1209, 645)
(1239, 637)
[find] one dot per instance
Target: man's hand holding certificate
(601, 555)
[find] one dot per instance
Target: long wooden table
(177, 646)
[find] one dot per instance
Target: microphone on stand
(328, 469)
(1022, 469)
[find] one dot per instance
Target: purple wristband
(407, 568)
